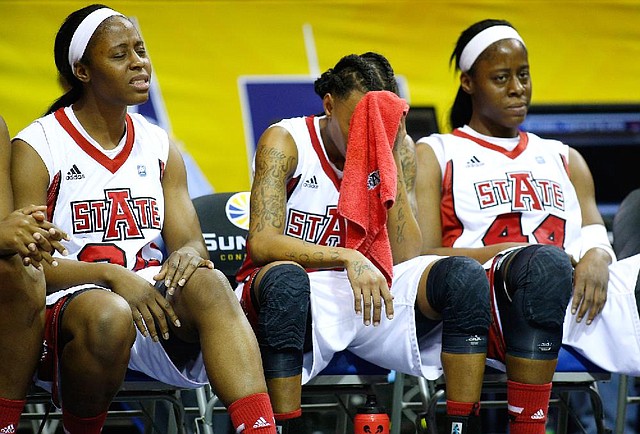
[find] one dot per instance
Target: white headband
(85, 30)
(481, 42)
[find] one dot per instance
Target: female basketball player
(26, 241)
(519, 202)
(299, 256)
(116, 185)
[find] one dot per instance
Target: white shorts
(612, 341)
(147, 356)
(392, 344)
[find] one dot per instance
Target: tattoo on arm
(272, 166)
(401, 223)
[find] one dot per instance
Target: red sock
(82, 425)
(528, 406)
(290, 422)
(253, 414)
(289, 415)
(456, 408)
(10, 411)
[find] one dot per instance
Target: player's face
(500, 89)
(119, 68)
(341, 111)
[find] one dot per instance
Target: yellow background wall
(580, 51)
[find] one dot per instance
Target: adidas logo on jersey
(74, 173)
(311, 182)
(538, 415)
(474, 162)
(261, 423)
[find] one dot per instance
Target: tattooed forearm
(401, 224)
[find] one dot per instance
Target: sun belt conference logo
(237, 210)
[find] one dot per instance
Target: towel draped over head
(369, 182)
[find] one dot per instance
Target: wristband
(593, 236)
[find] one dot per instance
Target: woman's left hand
(179, 267)
(591, 278)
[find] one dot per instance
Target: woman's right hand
(27, 233)
(149, 308)
(370, 289)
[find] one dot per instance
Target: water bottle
(371, 418)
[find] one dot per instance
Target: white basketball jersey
(491, 195)
(312, 192)
(110, 203)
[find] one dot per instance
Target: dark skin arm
(402, 227)
(591, 276)
(276, 160)
(428, 197)
(181, 231)
(24, 232)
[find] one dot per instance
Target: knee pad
(532, 295)
(458, 288)
(282, 320)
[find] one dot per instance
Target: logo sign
(237, 210)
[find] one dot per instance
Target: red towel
(369, 182)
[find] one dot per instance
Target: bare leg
(464, 374)
(530, 371)
(22, 302)
(285, 393)
(209, 312)
(97, 333)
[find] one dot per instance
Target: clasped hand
(27, 233)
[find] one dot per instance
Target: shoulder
(294, 126)
(436, 140)
(37, 132)
(150, 133)
(286, 133)
(140, 123)
(434, 145)
(552, 145)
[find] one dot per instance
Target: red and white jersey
(110, 202)
(506, 190)
(312, 192)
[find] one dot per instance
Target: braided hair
(355, 72)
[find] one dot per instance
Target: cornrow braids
(352, 72)
(383, 69)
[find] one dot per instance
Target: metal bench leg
(621, 413)
(598, 409)
(396, 406)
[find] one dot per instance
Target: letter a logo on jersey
(525, 196)
(121, 222)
